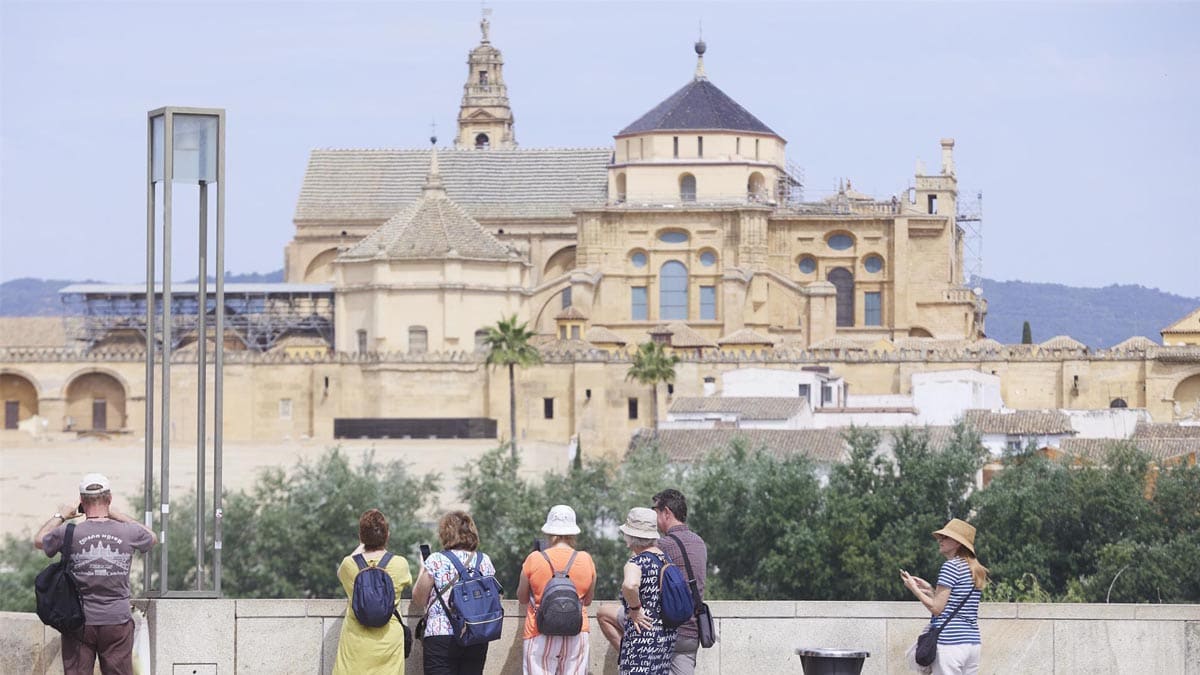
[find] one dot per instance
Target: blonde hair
(979, 573)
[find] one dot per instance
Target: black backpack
(560, 612)
(374, 598)
(58, 604)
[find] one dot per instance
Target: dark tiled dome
(699, 105)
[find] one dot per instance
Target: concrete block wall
(204, 637)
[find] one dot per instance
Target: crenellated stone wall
(301, 636)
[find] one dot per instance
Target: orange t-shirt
(582, 574)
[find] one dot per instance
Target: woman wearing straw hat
(646, 645)
(954, 603)
(556, 654)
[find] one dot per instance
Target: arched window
(481, 340)
(1118, 403)
(482, 142)
(673, 291)
(756, 187)
(687, 188)
(620, 187)
(418, 340)
(843, 280)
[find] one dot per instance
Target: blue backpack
(374, 597)
(678, 606)
(475, 613)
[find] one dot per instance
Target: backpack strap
(68, 540)
(687, 563)
(360, 561)
(387, 557)
(437, 593)
(463, 572)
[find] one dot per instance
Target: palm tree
(508, 345)
(651, 365)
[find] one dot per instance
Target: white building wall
(1108, 423)
(940, 398)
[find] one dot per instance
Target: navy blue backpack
(374, 598)
(475, 613)
(678, 606)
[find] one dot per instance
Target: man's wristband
(59, 516)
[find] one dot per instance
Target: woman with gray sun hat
(646, 644)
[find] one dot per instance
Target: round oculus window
(808, 265)
(638, 259)
(708, 259)
(873, 264)
(840, 242)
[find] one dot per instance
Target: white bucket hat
(561, 521)
(641, 523)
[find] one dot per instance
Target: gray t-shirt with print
(101, 556)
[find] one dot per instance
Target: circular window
(840, 242)
(673, 237)
(638, 259)
(708, 258)
(808, 265)
(873, 264)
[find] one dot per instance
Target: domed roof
(699, 105)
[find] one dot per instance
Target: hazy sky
(1079, 122)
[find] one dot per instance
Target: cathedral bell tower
(485, 120)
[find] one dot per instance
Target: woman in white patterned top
(442, 655)
(959, 585)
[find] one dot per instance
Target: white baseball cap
(94, 484)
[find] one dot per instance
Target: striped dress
(963, 629)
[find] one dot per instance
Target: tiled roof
(602, 335)
(347, 185)
(1062, 342)
(432, 227)
(1158, 448)
(839, 342)
(33, 331)
(689, 445)
(571, 314)
(1019, 422)
(1166, 430)
(931, 343)
(682, 335)
(746, 336)
(985, 344)
(1188, 324)
(746, 407)
(699, 105)
(1136, 342)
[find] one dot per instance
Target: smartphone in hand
(424, 551)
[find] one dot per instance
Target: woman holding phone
(442, 655)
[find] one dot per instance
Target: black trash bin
(832, 661)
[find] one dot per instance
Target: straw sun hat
(960, 531)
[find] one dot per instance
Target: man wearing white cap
(102, 553)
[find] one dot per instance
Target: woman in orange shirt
(556, 654)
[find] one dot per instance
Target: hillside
(1098, 317)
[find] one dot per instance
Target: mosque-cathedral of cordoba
(688, 229)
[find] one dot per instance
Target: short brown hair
(373, 529)
(457, 530)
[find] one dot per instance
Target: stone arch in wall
(560, 263)
(621, 187)
(756, 187)
(320, 268)
(95, 402)
(918, 332)
(843, 280)
(20, 398)
(1187, 396)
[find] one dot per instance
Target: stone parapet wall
(301, 636)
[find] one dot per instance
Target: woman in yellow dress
(363, 650)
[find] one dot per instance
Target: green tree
(508, 345)
(285, 536)
(20, 563)
(1026, 334)
(652, 365)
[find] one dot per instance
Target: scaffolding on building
(258, 315)
(789, 188)
(970, 218)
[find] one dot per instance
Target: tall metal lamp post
(185, 148)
